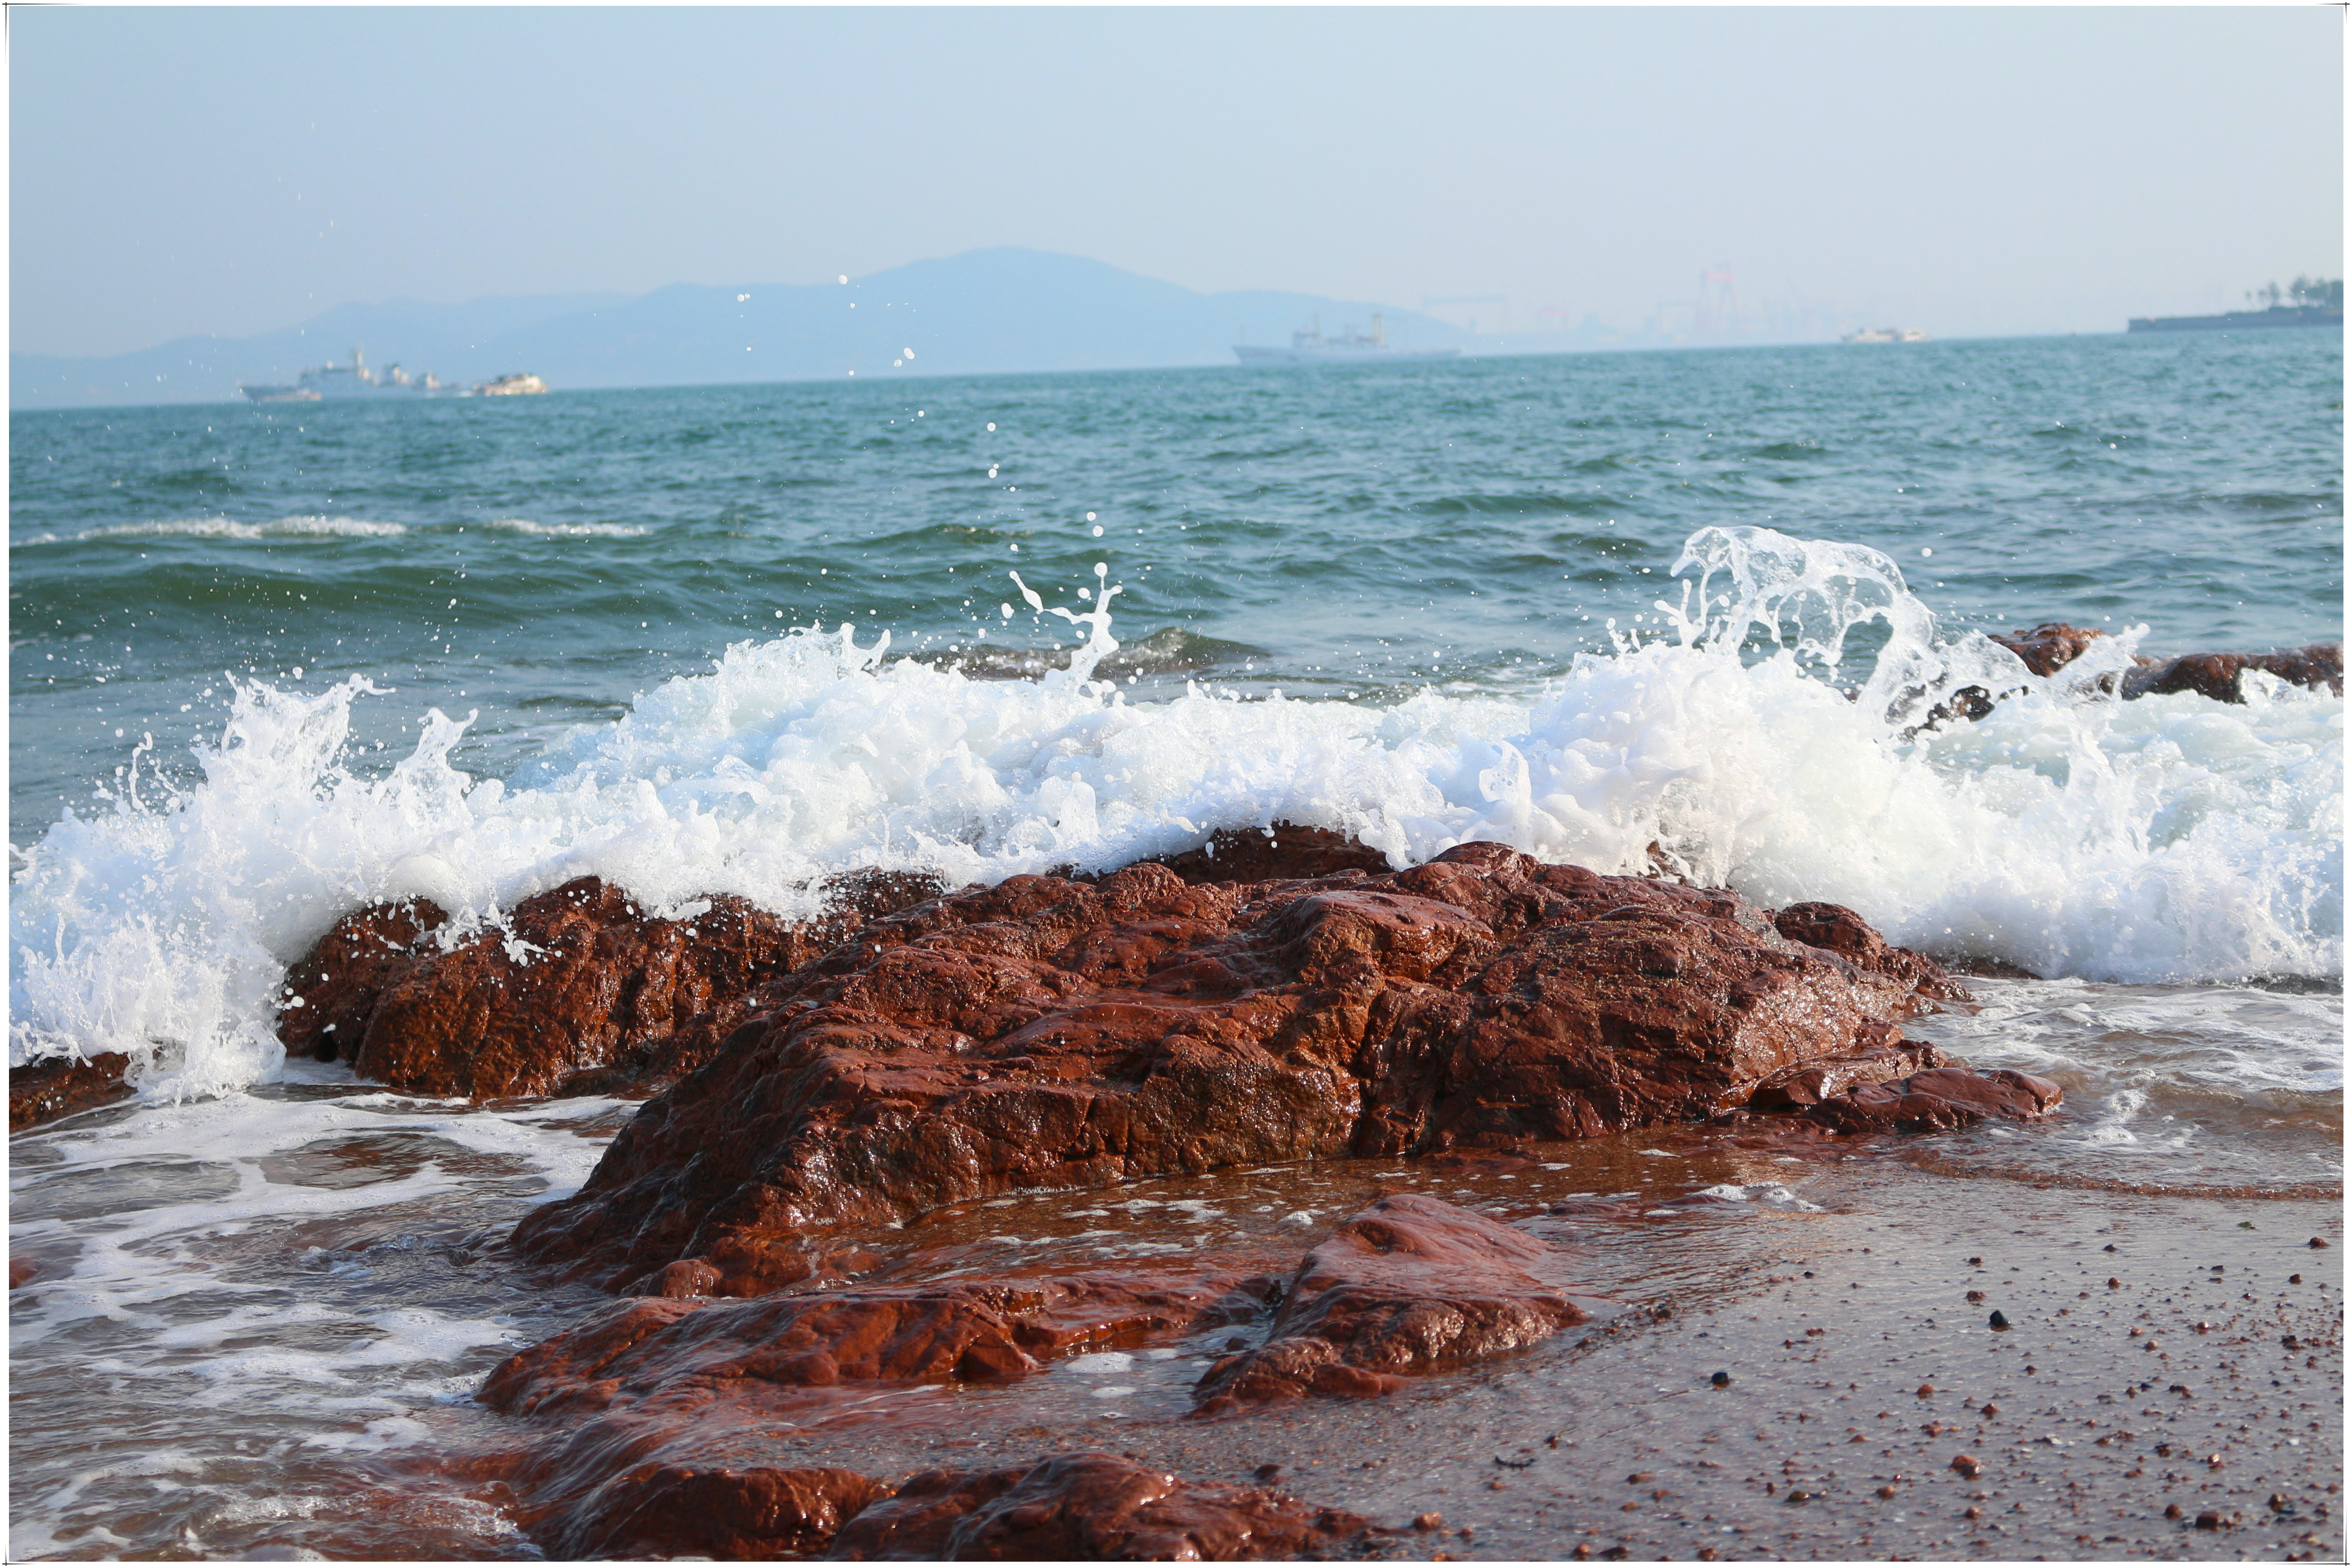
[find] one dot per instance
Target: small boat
(1885, 335)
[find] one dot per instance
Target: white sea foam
(567, 530)
(2171, 838)
(295, 528)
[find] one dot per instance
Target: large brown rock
(582, 992)
(1052, 1033)
(1088, 1506)
(59, 1086)
(1411, 1285)
(2047, 648)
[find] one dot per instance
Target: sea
(1700, 609)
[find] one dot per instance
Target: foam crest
(295, 528)
(2171, 838)
(566, 530)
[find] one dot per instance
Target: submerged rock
(1057, 1033)
(1081, 1506)
(43, 1091)
(582, 992)
(1411, 1285)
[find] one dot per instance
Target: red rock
(1283, 851)
(1834, 928)
(331, 991)
(1409, 1285)
(1935, 1100)
(44, 1091)
(956, 1330)
(582, 991)
(21, 1272)
(1052, 1033)
(750, 1515)
(1079, 1507)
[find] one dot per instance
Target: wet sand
(1860, 1370)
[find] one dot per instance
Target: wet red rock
(582, 992)
(1280, 852)
(750, 1515)
(1054, 1033)
(955, 1331)
(43, 1091)
(1081, 1507)
(21, 1272)
(1936, 1100)
(1409, 1286)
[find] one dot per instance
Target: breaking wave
(1743, 736)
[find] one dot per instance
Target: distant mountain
(985, 311)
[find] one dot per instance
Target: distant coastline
(2234, 320)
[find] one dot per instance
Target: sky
(1969, 171)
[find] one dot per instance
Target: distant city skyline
(184, 171)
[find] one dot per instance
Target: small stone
(2280, 1502)
(2172, 1511)
(1998, 1320)
(1637, 1478)
(1429, 1522)
(2209, 1520)
(1799, 1494)
(2294, 1279)
(2320, 1242)
(2108, 1248)
(1721, 1380)
(1926, 1391)
(1494, 1486)
(1267, 1472)
(1968, 1465)
(1976, 1262)
(1975, 1295)
(1990, 1411)
(1973, 1511)
(2114, 1283)
(1886, 1491)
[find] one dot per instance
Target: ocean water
(272, 663)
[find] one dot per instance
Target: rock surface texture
(2051, 646)
(1057, 1033)
(755, 1514)
(1081, 1506)
(957, 1331)
(1411, 1285)
(582, 992)
(42, 1092)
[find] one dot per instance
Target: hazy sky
(186, 171)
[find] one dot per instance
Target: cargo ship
(1310, 346)
(330, 381)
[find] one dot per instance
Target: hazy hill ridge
(984, 312)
